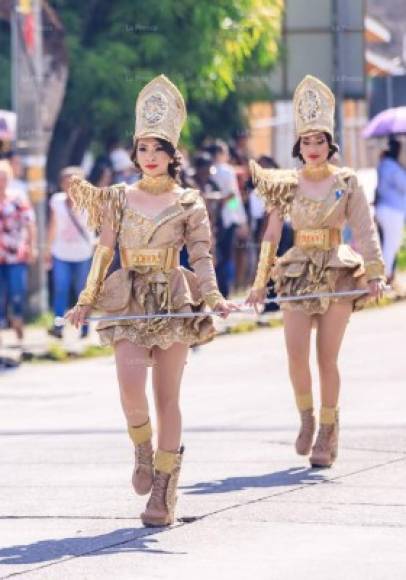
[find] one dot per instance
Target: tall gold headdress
(314, 106)
(160, 111)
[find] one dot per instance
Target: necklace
(319, 172)
(156, 185)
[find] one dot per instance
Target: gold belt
(322, 239)
(165, 258)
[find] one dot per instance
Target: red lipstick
(151, 166)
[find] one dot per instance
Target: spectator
(202, 180)
(17, 184)
(70, 249)
(391, 204)
(233, 217)
(18, 249)
(101, 174)
(123, 167)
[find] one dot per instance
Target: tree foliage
(204, 47)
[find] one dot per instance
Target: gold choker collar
(319, 172)
(156, 184)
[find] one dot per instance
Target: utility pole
(337, 70)
(27, 84)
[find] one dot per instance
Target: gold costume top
(150, 278)
(318, 261)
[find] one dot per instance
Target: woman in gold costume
(319, 198)
(151, 221)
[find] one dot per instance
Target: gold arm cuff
(375, 270)
(102, 258)
(213, 298)
(266, 261)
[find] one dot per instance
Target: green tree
(5, 69)
(116, 47)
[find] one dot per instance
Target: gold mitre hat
(160, 111)
(314, 107)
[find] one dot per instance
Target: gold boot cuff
(304, 402)
(165, 461)
(328, 415)
(140, 434)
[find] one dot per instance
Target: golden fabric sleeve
(198, 243)
(102, 258)
(365, 233)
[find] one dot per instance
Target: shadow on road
(285, 478)
(121, 541)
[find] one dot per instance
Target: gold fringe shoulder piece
(276, 187)
(346, 173)
(347, 178)
(190, 196)
(97, 201)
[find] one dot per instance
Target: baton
(60, 321)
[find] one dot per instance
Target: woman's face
(151, 157)
(314, 149)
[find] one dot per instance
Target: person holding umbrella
(391, 204)
(319, 198)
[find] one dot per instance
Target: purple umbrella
(386, 123)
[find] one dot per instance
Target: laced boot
(143, 473)
(304, 440)
(325, 450)
(160, 510)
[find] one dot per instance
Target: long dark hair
(332, 147)
(393, 150)
(176, 158)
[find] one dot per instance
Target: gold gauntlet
(102, 258)
(213, 298)
(266, 261)
(375, 270)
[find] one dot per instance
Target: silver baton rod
(277, 300)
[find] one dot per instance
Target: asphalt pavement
(248, 506)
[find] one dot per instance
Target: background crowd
(218, 169)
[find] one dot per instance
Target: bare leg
(297, 327)
(131, 363)
(330, 334)
(167, 375)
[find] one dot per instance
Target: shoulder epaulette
(98, 201)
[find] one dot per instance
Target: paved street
(251, 507)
